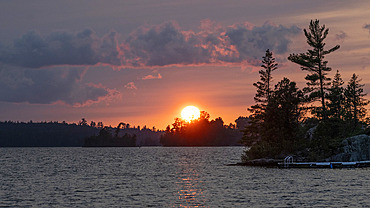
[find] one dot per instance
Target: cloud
(162, 45)
(151, 46)
(341, 35)
(367, 27)
(254, 41)
(47, 86)
(33, 50)
(130, 86)
(159, 76)
(167, 44)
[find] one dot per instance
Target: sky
(142, 61)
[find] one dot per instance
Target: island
(323, 122)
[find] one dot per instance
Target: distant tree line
(201, 132)
(43, 134)
(107, 139)
(62, 134)
(282, 116)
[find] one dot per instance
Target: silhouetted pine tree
(285, 104)
(263, 87)
(278, 131)
(355, 101)
(262, 97)
(335, 97)
(313, 61)
(283, 115)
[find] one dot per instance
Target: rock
(356, 148)
(310, 132)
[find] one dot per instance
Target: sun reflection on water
(190, 187)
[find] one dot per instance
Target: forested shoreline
(309, 123)
(201, 132)
(62, 134)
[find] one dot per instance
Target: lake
(168, 177)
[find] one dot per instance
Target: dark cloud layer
(158, 45)
(163, 45)
(253, 42)
(168, 44)
(46, 86)
(60, 48)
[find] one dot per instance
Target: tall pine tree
(283, 113)
(274, 117)
(313, 61)
(335, 97)
(355, 101)
(264, 86)
(277, 133)
(262, 97)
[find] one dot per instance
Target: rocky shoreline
(356, 148)
(353, 149)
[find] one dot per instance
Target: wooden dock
(288, 163)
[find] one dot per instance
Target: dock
(289, 163)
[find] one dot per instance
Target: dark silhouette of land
(106, 139)
(56, 134)
(51, 134)
(203, 132)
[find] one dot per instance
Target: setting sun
(190, 113)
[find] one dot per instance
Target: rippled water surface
(168, 177)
